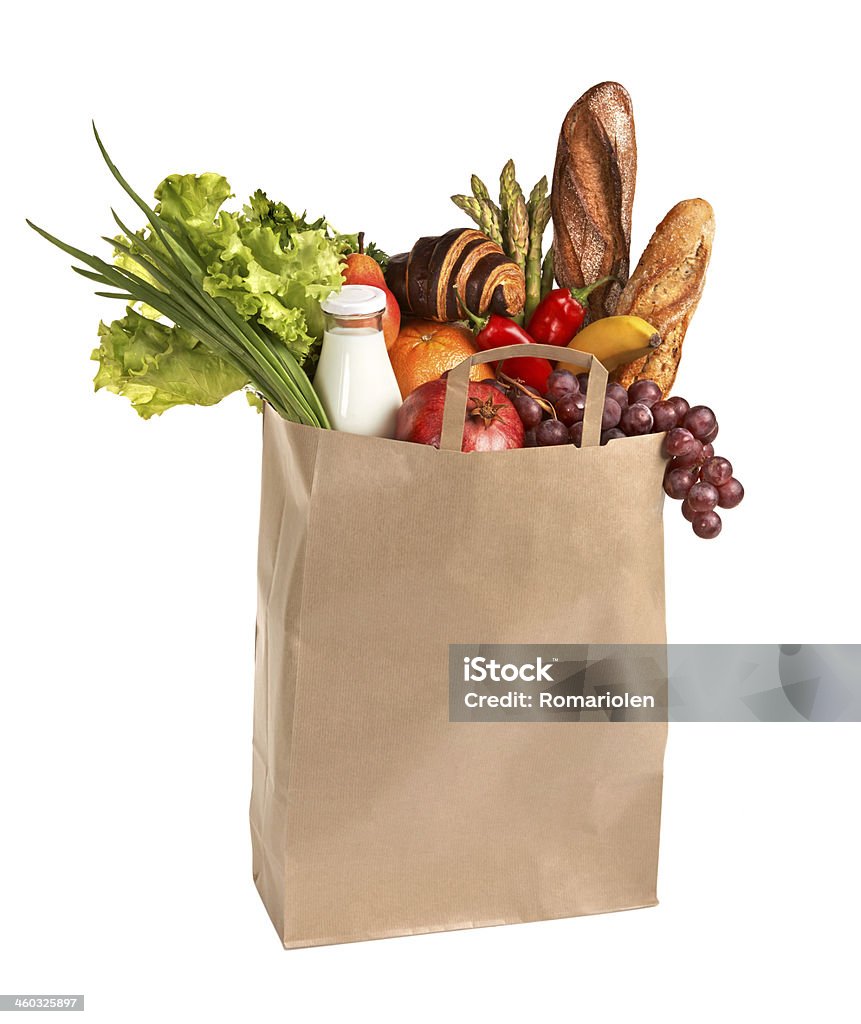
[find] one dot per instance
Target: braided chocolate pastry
(424, 279)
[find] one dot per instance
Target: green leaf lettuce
(157, 366)
(272, 266)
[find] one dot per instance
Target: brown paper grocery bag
(372, 814)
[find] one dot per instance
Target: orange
(425, 349)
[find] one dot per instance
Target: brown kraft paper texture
(372, 814)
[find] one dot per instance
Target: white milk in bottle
(354, 378)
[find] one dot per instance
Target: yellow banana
(615, 340)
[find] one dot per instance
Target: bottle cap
(355, 300)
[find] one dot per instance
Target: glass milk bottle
(354, 378)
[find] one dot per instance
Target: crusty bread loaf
(666, 287)
(593, 194)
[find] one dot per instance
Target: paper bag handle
(454, 412)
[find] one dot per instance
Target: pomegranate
(491, 423)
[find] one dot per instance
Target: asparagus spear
(479, 189)
(484, 212)
(547, 274)
(496, 224)
(508, 189)
(516, 216)
(539, 192)
(470, 206)
(539, 217)
(491, 222)
(517, 240)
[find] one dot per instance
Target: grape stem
(511, 382)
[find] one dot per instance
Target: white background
(129, 547)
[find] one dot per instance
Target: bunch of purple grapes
(702, 480)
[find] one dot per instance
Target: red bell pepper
(496, 331)
(530, 370)
(560, 314)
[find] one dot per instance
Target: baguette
(593, 194)
(666, 287)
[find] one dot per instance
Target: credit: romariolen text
(570, 702)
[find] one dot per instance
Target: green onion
(179, 295)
